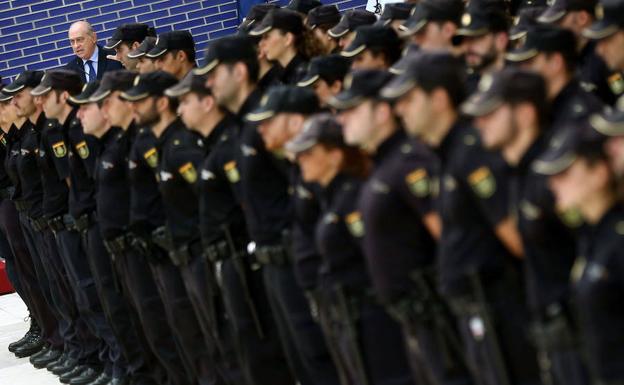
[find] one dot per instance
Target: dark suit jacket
(104, 64)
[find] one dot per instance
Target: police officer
(432, 24)
(320, 20)
(518, 98)
(395, 14)
(608, 32)
(113, 200)
(480, 247)
(360, 327)
(174, 52)
(551, 52)
(400, 219)
(284, 40)
(232, 69)
(28, 198)
(130, 362)
(144, 64)
(147, 223)
(325, 75)
(374, 47)
(579, 175)
(126, 38)
(344, 31)
(527, 18)
(576, 16)
(280, 116)
(54, 91)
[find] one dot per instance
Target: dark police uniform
(267, 200)
(146, 216)
(393, 202)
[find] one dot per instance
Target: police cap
(527, 18)
(510, 85)
(350, 21)
(320, 128)
(395, 11)
(88, 89)
(359, 85)
(303, 6)
(369, 36)
(323, 15)
(559, 8)
(146, 45)
(119, 80)
(27, 79)
(432, 10)
(611, 121)
(328, 67)
(130, 32)
(59, 79)
(544, 38)
(482, 17)
(229, 49)
(280, 18)
(281, 99)
(254, 16)
(149, 84)
(609, 19)
(190, 83)
(173, 40)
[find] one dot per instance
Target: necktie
(92, 75)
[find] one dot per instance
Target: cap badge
(348, 82)
(466, 19)
(355, 224)
(486, 83)
(85, 87)
(136, 80)
(264, 100)
(599, 11)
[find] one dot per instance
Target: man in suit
(91, 60)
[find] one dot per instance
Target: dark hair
(173, 104)
(306, 43)
(190, 53)
(454, 89)
(390, 52)
(253, 68)
(355, 162)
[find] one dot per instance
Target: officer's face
(122, 55)
(480, 51)
(367, 61)
(117, 110)
(24, 103)
(432, 37)
(191, 110)
(345, 40)
(92, 119)
(274, 44)
(145, 65)
(414, 111)
(578, 183)
(52, 104)
(358, 124)
(318, 164)
(223, 84)
(145, 112)
(275, 131)
(495, 127)
(8, 115)
(324, 92)
(611, 49)
(614, 147)
(167, 63)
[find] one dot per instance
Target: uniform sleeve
(486, 176)
(57, 146)
(186, 159)
(415, 184)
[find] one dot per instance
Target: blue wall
(33, 33)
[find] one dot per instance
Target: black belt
(23, 205)
(182, 255)
(217, 251)
(39, 224)
(117, 246)
(85, 221)
(273, 255)
(61, 223)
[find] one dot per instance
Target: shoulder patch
(188, 172)
(151, 157)
(470, 140)
(355, 224)
(482, 182)
(616, 83)
(418, 182)
(82, 149)
(571, 218)
(232, 172)
(60, 150)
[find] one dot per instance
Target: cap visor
(521, 55)
(600, 30)
(5, 97)
(111, 44)
(351, 51)
(308, 81)
(398, 87)
(611, 124)
(472, 32)
(480, 105)
(207, 68)
(551, 15)
(259, 116)
(517, 33)
(133, 96)
(411, 28)
(156, 52)
(338, 32)
(99, 95)
(345, 101)
(298, 146)
(40, 90)
(135, 54)
(553, 166)
(79, 99)
(13, 88)
(176, 91)
(261, 30)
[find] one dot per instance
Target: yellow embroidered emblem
(59, 149)
(355, 224)
(482, 182)
(232, 172)
(418, 182)
(151, 157)
(188, 172)
(82, 149)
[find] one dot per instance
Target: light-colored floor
(15, 371)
